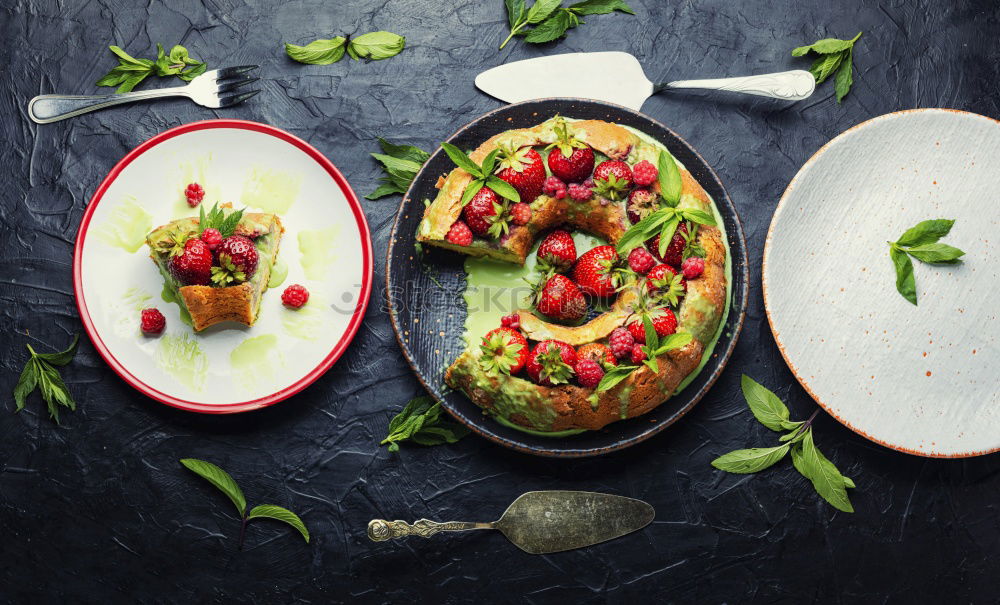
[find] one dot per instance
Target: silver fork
(215, 89)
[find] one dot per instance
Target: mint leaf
(615, 375)
(541, 9)
(130, 71)
(669, 178)
(766, 407)
(63, 357)
(515, 11)
(551, 29)
(825, 65)
(905, 283)
(936, 253)
(750, 460)
(421, 421)
(25, 384)
(835, 57)
(677, 340)
(318, 52)
(600, 7)
(471, 191)
(926, 232)
(845, 76)
(404, 152)
(39, 373)
(401, 164)
(220, 479)
(503, 189)
(270, 511)
(667, 233)
(462, 160)
(697, 216)
(826, 479)
(376, 45)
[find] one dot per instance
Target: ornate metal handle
(792, 85)
(52, 108)
(380, 529)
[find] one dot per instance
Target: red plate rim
(328, 361)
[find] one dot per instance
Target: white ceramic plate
(228, 367)
(926, 379)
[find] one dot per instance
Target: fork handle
(52, 108)
(792, 85)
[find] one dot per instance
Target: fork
(210, 89)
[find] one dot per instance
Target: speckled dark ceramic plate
(424, 290)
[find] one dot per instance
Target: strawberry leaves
(835, 56)
(421, 422)
(39, 372)
(550, 20)
(482, 176)
(921, 242)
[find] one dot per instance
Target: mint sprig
(834, 56)
(40, 373)
(770, 411)
(921, 242)
(548, 20)
(375, 46)
(423, 423)
(482, 175)
(228, 486)
(130, 71)
(217, 218)
(401, 164)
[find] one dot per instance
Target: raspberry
(589, 373)
(638, 355)
(511, 321)
(693, 267)
(588, 182)
(152, 321)
(459, 234)
(580, 193)
(640, 260)
(194, 194)
(621, 343)
(212, 238)
(644, 174)
(520, 213)
(295, 296)
(554, 187)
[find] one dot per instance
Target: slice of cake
(217, 265)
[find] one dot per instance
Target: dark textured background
(99, 510)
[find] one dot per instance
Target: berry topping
(665, 282)
(554, 187)
(621, 342)
(595, 351)
(194, 194)
(637, 354)
(505, 350)
(192, 267)
(558, 250)
(580, 193)
(459, 234)
(520, 213)
(641, 203)
(511, 321)
(152, 321)
(551, 362)
(675, 251)
(664, 322)
(480, 212)
(212, 238)
(524, 170)
(589, 373)
(561, 299)
(295, 296)
(594, 271)
(237, 261)
(640, 260)
(570, 159)
(693, 267)
(612, 179)
(644, 174)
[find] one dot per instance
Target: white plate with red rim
(228, 367)
(919, 379)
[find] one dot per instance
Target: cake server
(542, 522)
(618, 77)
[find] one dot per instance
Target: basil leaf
(270, 511)
(503, 188)
(551, 29)
(63, 357)
(905, 284)
(750, 460)
(615, 375)
(541, 9)
(600, 7)
(926, 232)
(825, 65)
(515, 10)
(25, 384)
(766, 407)
(220, 479)
(646, 228)
(318, 52)
(377, 45)
(697, 216)
(404, 152)
(936, 253)
(845, 76)
(669, 178)
(462, 160)
(826, 479)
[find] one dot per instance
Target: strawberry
(459, 234)
(675, 251)
(595, 351)
(664, 322)
(480, 210)
(612, 179)
(571, 159)
(558, 250)
(505, 350)
(693, 267)
(640, 260)
(641, 203)
(665, 282)
(551, 362)
(594, 273)
(524, 170)
(237, 261)
(621, 342)
(588, 373)
(561, 299)
(644, 174)
(520, 213)
(193, 267)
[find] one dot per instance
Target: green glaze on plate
(126, 227)
(271, 190)
(306, 322)
(256, 359)
(169, 294)
(317, 250)
(279, 273)
(181, 356)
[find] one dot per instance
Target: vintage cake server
(542, 522)
(618, 77)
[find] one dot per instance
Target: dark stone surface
(99, 510)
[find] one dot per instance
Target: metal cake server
(542, 522)
(618, 77)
